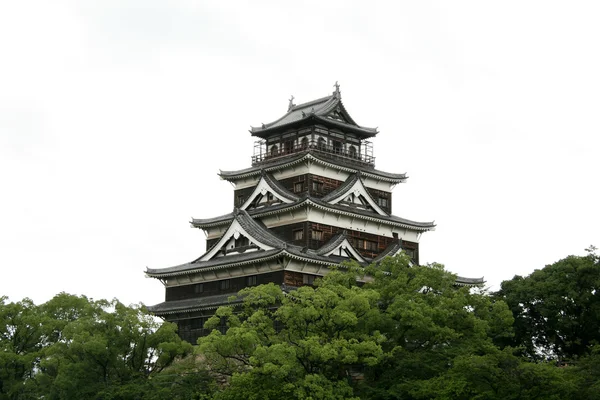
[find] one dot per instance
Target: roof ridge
(335, 241)
(278, 187)
(311, 102)
(346, 185)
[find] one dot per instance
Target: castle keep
(312, 198)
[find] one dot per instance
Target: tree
(411, 333)
(432, 328)
(306, 344)
(75, 347)
(557, 308)
(22, 329)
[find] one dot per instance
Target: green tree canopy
(77, 348)
(409, 333)
(557, 308)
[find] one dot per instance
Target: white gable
(233, 233)
(345, 249)
(358, 194)
(262, 193)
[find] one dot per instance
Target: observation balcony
(347, 152)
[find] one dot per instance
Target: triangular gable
(228, 241)
(345, 249)
(264, 194)
(340, 114)
(358, 194)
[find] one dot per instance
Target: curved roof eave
(463, 281)
(191, 268)
(253, 171)
(319, 109)
(392, 220)
(281, 208)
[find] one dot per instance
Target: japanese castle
(311, 199)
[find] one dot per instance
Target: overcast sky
(116, 116)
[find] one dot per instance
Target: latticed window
(321, 144)
(225, 284)
(298, 234)
(308, 279)
(316, 235)
(251, 280)
(366, 245)
(352, 151)
(304, 143)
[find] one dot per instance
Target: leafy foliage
(74, 347)
(410, 333)
(557, 308)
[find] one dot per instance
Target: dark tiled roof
(340, 209)
(357, 212)
(311, 155)
(319, 109)
(392, 249)
(462, 281)
(207, 222)
(348, 183)
(279, 188)
(258, 231)
(215, 263)
(200, 303)
(334, 242)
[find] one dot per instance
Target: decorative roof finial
(291, 103)
(337, 89)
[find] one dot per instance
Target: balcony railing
(353, 153)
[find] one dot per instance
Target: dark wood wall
(214, 287)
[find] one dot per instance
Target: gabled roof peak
(325, 110)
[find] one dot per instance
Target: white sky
(115, 117)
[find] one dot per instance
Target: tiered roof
(261, 245)
(318, 158)
(327, 110)
(353, 185)
(268, 246)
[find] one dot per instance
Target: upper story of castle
(322, 126)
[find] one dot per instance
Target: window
(298, 234)
(337, 147)
(366, 245)
(240, 200)
(289, 146)
(317, 186)
(382, 201)
(274, 150)
(304, 143)
(321, 144)
(197, 323)
(225, 284)
(198, 288)
(352, 151)
(298, 186)
(316, 235)
(269, 196)
(308, 279)
(251, 280)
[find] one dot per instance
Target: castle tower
(311, 199)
